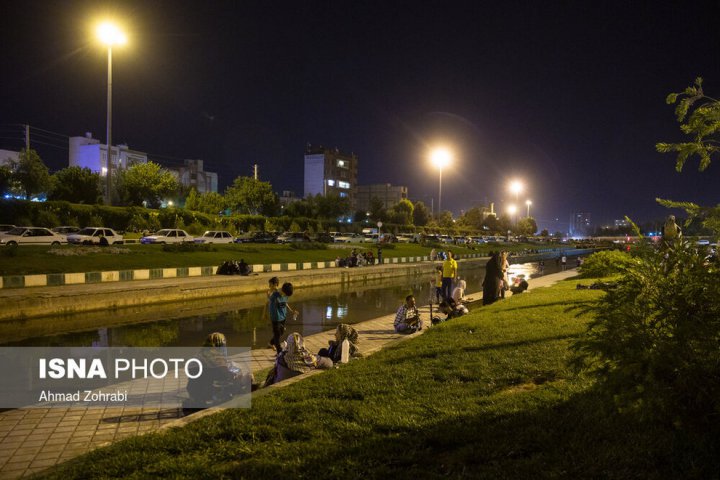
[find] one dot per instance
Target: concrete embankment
(28, 303)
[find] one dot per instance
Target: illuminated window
(343, 194)
(331, 183)
(342, 164)
(343, 185)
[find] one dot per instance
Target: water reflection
(240, 319)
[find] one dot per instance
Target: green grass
(27, 260)
(488, 395)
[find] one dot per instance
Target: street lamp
(110, 35)
(440, 157)
(528, 203)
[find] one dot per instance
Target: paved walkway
(34, 439)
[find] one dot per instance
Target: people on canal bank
(220, 379)
(273, 286)
(493, 279)
(379, 255)
(541, 267)
(451, 309)
(450, 272)
(458, 295)
(334, 351)
(433, 255)
(278, 308)
(519, 284)
(505, 266)
(407, 319)
(244, 268)
(296, 359)
(438, 283)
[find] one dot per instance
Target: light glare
(110, 34)
(440, 157)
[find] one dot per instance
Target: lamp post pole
(109, 127)
(440, 192)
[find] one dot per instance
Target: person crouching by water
(407, 319)
(334, 350)
(296, 359)
(278, 308)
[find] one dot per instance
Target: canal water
(240, 318)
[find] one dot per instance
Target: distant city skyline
(568, 97)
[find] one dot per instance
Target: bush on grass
(308, 246)
(188, 247)
(654, 341)
(606, 263)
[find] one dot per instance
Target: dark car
(257, 237)
(324, 238)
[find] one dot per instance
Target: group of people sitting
(356, 259)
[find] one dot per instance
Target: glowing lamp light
(512, 209)
(440, 157)
(110, 34)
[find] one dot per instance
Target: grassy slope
(31, 260)
(484, 396)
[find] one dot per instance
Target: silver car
(94, 236)
(215, 236)
(168, 235)
(31, 236)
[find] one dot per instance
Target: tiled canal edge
(57, 279)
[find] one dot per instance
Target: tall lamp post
(516, 186)
(440, 158)
(110, 35)
(528, 203)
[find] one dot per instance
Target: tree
(402, 212)
(527, 226)
(377, 210)
(421, 214)
(251, 196)
(145, 182)
(445, 219)
(701, 115)
(30, 173)
(302, 208)
(5, 179)
(472, 218)
(492, 224)
(208, 202)
(77, 185)
(331, 206)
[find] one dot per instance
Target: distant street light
(110, 35)
(440, 157)
(516, 186)
(528, 203)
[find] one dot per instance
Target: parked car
(388, 238)
(167, 235)
(257, 237)
(348, 238)
(407, 238)
(65, 230)
(92, 236)
(31, 236)
(371, 238)
(215, 236)
(324, 238)
(6, 228)
(295, 237)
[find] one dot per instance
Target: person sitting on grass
(296, 359)
(452, 309)
(458, 294)
(407, 319)
(334, 350)
(519, 284)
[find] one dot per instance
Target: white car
(371, 238)
(31, 236)
(348, 238)
(215, 236)
(93, 236)
(168, 235)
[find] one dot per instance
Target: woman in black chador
(493, 280)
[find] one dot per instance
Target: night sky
(568, 96)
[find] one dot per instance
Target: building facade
(329, 171)
(389, 194)
(580, 224)
(88, 152)
(192, 175)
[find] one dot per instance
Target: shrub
(308, 246)
(188, 247)
(654, 341)
(44, 218)
(606, 263)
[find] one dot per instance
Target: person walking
(563, 262)
(273, 286)
(450, 272)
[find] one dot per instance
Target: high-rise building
(87, 152)
(580, 224)
(331, 171)
(389, 194)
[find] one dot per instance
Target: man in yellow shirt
(450, 271)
